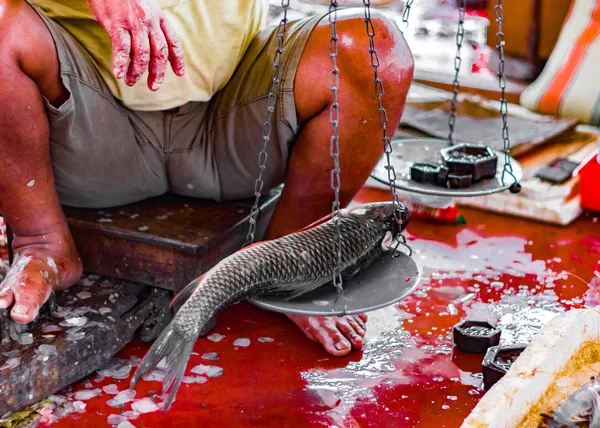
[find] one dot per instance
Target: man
(110, 102)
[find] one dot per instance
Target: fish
(288, 266)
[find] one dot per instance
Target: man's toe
(357, 325)
(348, 330)
(332, 339)
(29, 296)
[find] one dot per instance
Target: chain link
(267, 127)
(405, 14)
(383, 116)
(460, 35)
(334, 149)
(500, 42)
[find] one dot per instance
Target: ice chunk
(111, 389)
(266, 340)
(194, 379)
(115, 419)
(75, 336)
(144, 405)
(74, 322)
(243, 342)
(10, 363)
(125, 396)
(46, 350)
(210, 356)
(215, 337)
(87, 394)
(84, 295)
(79, 406)
(210, 371)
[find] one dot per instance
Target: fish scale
(290, 266)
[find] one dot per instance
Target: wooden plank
(478, 120)
(89, 323)
(166, 241)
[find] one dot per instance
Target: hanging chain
(267, 127)
(508, 169)
(383, 117)
(405, 14)
(460, 35)
(334, 149)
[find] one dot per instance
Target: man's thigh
(236, 114)
(97, 155)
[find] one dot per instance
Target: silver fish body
(290, 266)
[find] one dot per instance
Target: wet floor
(258, 369)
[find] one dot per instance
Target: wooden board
(166, 241)
(539, 200)
(478, 120)
(89, 323)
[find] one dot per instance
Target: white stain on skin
(50, 261)
(14, 272)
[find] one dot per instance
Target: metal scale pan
(407, 152)
(387, 281)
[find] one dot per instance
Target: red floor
(407, 374)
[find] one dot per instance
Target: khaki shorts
(105, 155)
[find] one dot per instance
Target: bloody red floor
(407, 374)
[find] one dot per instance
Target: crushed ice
(243, 342)
(84, 295)
(144, 405)
(111, 389)
(210, 356)
(46, 350)
(210, 371)
(74, 322)
(87, 394)
(215, 337)
(115, 419)
(121, 398)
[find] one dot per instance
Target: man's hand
(141, 40)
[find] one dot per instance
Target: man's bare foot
(42, 264)
(338, 335)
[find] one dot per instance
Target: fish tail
(176, 350)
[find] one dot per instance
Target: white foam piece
(534, 372)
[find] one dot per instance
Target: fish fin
(176, 350)
(185, 294)
(316, 223)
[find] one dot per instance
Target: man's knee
(392, 55)
(10, 24)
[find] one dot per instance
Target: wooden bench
(164, 242)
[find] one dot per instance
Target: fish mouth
(384, 213)
(396, 244)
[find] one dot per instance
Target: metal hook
(401, 240)
(341, 294)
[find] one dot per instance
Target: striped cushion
(569, 85)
